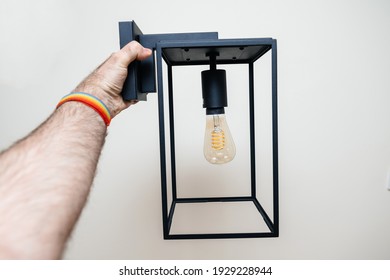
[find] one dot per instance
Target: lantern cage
(193, 49)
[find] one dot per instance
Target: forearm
(46, 177)
(44, 182)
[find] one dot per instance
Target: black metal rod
(172, 132)
(275, 153)
(220, 235)
(170, 216)
(213, 199)
(252, 129)
(213, 61)
(162, 145)
(267, 220)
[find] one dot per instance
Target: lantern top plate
(230, 51)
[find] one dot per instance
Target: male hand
(106, 82)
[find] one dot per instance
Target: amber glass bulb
(218, 142)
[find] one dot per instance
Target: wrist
(113, 102)
(88, 100)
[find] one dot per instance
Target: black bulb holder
(192, 49)
(214, 91)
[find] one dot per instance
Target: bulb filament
(218, 139)
(217, 135)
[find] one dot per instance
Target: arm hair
(44, 182)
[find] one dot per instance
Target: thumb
(131, 52)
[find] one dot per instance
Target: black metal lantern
(189, 49)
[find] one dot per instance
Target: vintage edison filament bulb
(218, 142)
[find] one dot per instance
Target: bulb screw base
(215, 111)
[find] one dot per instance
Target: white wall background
(334, 96)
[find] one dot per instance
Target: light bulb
(218, 142)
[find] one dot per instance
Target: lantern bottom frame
(254, 203)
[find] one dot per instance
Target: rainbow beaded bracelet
(91, 101)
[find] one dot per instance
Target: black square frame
(231, 51)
